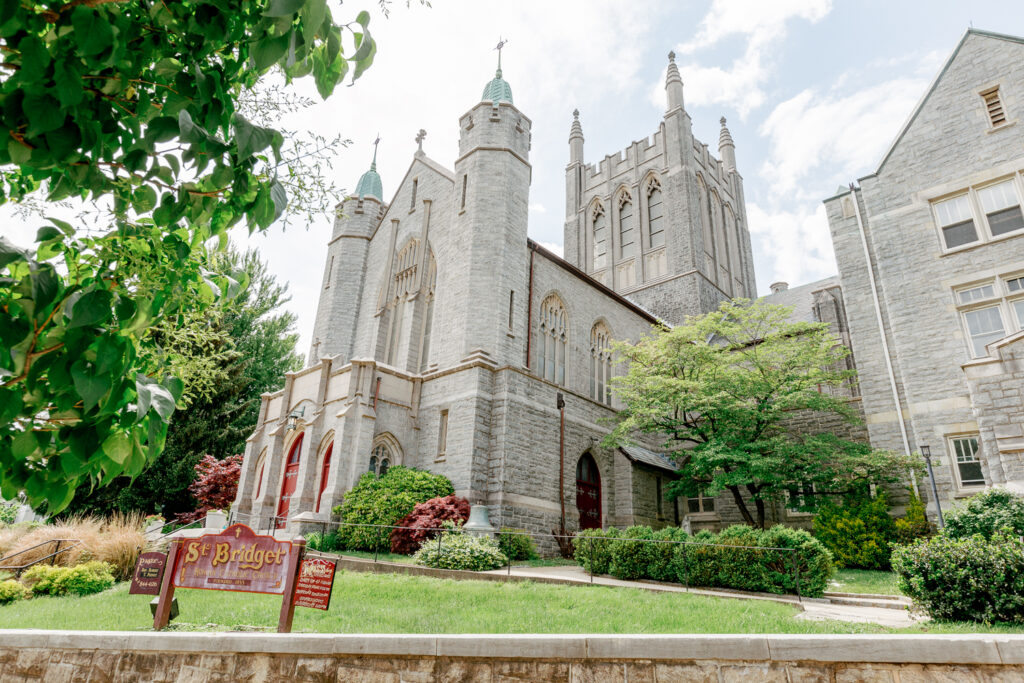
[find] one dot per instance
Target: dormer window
(994, 107)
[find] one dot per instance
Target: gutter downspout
(529, 312)
(881, 333)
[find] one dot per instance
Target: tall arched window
(261, 467)
(600, 223)
(627, 226)
(325, 470)
(551, 340)
(404, 281)
(705, 220)
(600, 364)
(428, 312)
(733, 239)
(721, 253)
(655, 215)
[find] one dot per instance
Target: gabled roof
(642, 455)
(931, 88)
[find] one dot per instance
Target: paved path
(813, 608)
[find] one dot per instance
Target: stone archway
(588, 492)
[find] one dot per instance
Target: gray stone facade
(928, 250)
(444, 336)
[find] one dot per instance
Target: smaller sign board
(316, 579)
(149, 572)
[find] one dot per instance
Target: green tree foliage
(988, 513)
(256, 348)
(720, 388)
(135, 103)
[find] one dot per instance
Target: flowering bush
(458, 550)
(215, 486)
(988, 513)
(964, 579)
(11, 590)
(426, 518)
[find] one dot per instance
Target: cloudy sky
(814, 92)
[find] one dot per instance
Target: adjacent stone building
(931, 260)
(445, 337)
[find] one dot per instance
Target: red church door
(324, 471)
(588, 492)
(291, 477)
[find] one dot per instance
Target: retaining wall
(119, 656)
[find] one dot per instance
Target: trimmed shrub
(660, 555)
(427, 518)
(989, 513)
(593, 549)
(631, 559)
(385, 500)
(964, 579)
(914, 524)
(516, 544)
(11, 591)
(83, 579)
(461, 551)
(858, 533)
(741, 557)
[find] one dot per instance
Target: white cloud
(763, 24)
(537, 207)
(553, 248)
(796, 243)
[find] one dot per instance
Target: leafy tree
(215, 486)
(720, 388)
(134, 102)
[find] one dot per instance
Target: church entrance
(291, 477)
(588, 492)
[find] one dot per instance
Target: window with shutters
(994, 107)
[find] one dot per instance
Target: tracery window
(600, 364)
(627, 227)
(655, 215)
(600, 223)
(381, 459)
(551, 342)
(404, 281)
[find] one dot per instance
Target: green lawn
(370, 603)
(864, 581)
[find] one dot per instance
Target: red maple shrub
(427, 518)
(215, 485)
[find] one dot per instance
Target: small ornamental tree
(719, 390)
(215, 486)
(425, 519)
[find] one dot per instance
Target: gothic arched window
(600, 224)
(627, 226)
(428, 313)
(600, 363)
(655, 215)
(705, 218)
(551, 340)
(381, 459)
(403, 282)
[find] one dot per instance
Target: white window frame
(951, 451)
(978, 215)
(1002, 298)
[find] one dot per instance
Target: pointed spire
(673, 83)
(369, 184)
(373, 164)
(727, 148)
(498, 90)
(576, 138)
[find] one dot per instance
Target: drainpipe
(881, 333)
(529, 312)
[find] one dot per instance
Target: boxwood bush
(859, 532)
(385, 500)
(516, 544)
(632, 559)
(988, 513)
(964, 579)
(82, 579)
(11, 591)
(458, 550)
(593, 549)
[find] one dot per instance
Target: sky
(814, 92)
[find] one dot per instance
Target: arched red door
(324, 471)
(588, 492)
(291, 477)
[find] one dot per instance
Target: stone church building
(444, 336)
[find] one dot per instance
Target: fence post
(796, 566)
(439, 535)
(591, 560)
(376, 545)
(686, 569)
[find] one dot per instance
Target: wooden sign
(316, 579)
(235, 559)
(149, 570)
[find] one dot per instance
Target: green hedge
(516, 544)
(82, 579)
(385, 500)
(593, 549)
(988, 513)
(11, 591)
(964, 579)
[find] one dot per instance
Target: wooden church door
(588, 492)
(291, 477)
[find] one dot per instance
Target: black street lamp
(926, 452)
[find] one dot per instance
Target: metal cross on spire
(375, 143)
(419, 139)
(501, 44)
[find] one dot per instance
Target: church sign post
(236, 559)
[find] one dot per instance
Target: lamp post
(926, 452)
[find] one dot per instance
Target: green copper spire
(498, 90)
(369, 184)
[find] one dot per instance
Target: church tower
(662, 222)
(345, 271)
(488, 233)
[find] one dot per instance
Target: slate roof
(642, 455)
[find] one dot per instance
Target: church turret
(574, 191)
(727, 149)
(673, 84)
(344, 272)
(576, 139)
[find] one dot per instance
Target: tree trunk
(744, 512)
(759, 504)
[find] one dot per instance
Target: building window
(990, 311)
(627, 227)
(968, 465)
(984, 326)
(600, 223)
(655, 215)
(994, 107)
(412, 200)
(404, 281)
(511, 308)
(955, 221)
(330, 273)
(972, 294)
(465, 181)
(442, 435)
(1001, 206)
(380, 459)
(801, 498)
(552, 338)
(700, 504)
(600, 364)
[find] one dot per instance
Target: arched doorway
(291, 477)
(588, 492)
(325, 470)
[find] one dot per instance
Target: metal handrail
(19, 568)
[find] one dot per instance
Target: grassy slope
(366, 603)
(864, 581)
